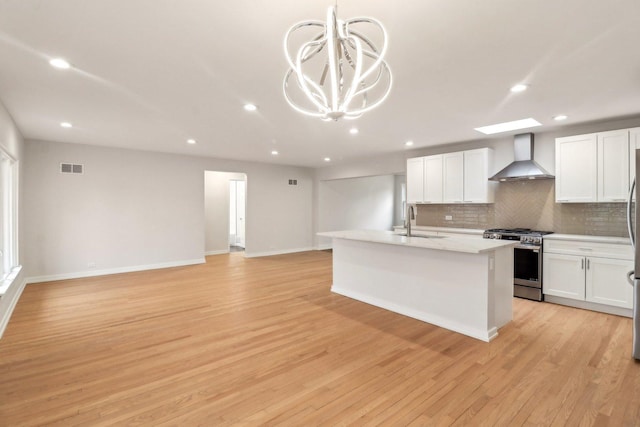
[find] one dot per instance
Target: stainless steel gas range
(527, 259)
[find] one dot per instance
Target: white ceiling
(149, 74)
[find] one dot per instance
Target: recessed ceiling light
(250, 107)
(560, 117)
(191, 141)
(327, 159)
(59, 63)
(66, 125)
(408, 143)
(274, 153)
(519, 87)
(353, 131)
(505, 127)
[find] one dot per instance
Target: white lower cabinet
(606, 282)
(563, 275)
(570, 273)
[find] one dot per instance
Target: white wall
(356, 203)
(216, 208)
(134, 209)
(12, 143)
(398, 181)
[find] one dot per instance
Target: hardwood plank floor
(263, 341)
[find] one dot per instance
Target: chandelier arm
(383, 50)
(292, 103)
(356, 76)
(331, 36)
(291, 31)
(379, 101)
(368, 42)
(304, 82)
(368, 86)
(317, 50)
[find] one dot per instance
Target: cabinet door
(476, 176)
(613, 166)
(576, 169)
(563, 275)
(415, 180)
(607, 282)
(433, 179)
(634, 144)
(453, 177)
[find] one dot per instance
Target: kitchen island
(458, 283)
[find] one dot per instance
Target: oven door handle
(528, 247)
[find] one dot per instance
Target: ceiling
(150, 74)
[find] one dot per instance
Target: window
(8, 214)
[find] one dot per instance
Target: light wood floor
(263, 342)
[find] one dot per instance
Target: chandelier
(338, 72)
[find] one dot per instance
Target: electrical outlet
(448, 218)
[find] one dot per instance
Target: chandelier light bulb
(339, 71)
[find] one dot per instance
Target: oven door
(527, 266)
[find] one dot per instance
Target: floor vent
(71, 168)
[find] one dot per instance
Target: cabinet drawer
(574, 247)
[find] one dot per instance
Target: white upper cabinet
(576, 168)
(613, 166)
(477, 187)
(634, 144)
(453, 177)
(461, 177)
(593, 167)
(433, 189)
(415, 180)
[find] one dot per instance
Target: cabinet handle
(586, 249)
(587, 263)
(582, 264)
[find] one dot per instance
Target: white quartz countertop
(592, 239)
(454, 244)
(442, 229)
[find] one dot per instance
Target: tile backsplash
(530, 204)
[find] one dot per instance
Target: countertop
(586, 238)
(453, 244)
(442, 229)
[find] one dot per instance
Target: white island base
(466, 292)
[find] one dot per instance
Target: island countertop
(442, 243)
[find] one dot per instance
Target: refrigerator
(634, 276)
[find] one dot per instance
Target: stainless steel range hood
(524, 167)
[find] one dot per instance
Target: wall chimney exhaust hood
(524, 167)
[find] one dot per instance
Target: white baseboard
(324, 247)
(587, 305)
(216, 252)
(483, 335)
(130, 269)
(12, 293)
(271, 253)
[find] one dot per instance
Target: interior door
(240, 212)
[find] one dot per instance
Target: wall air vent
(293, 182)
(71, 168)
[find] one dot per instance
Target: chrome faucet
(410, 215)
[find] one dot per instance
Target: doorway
(237, 193)
(225, 195)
